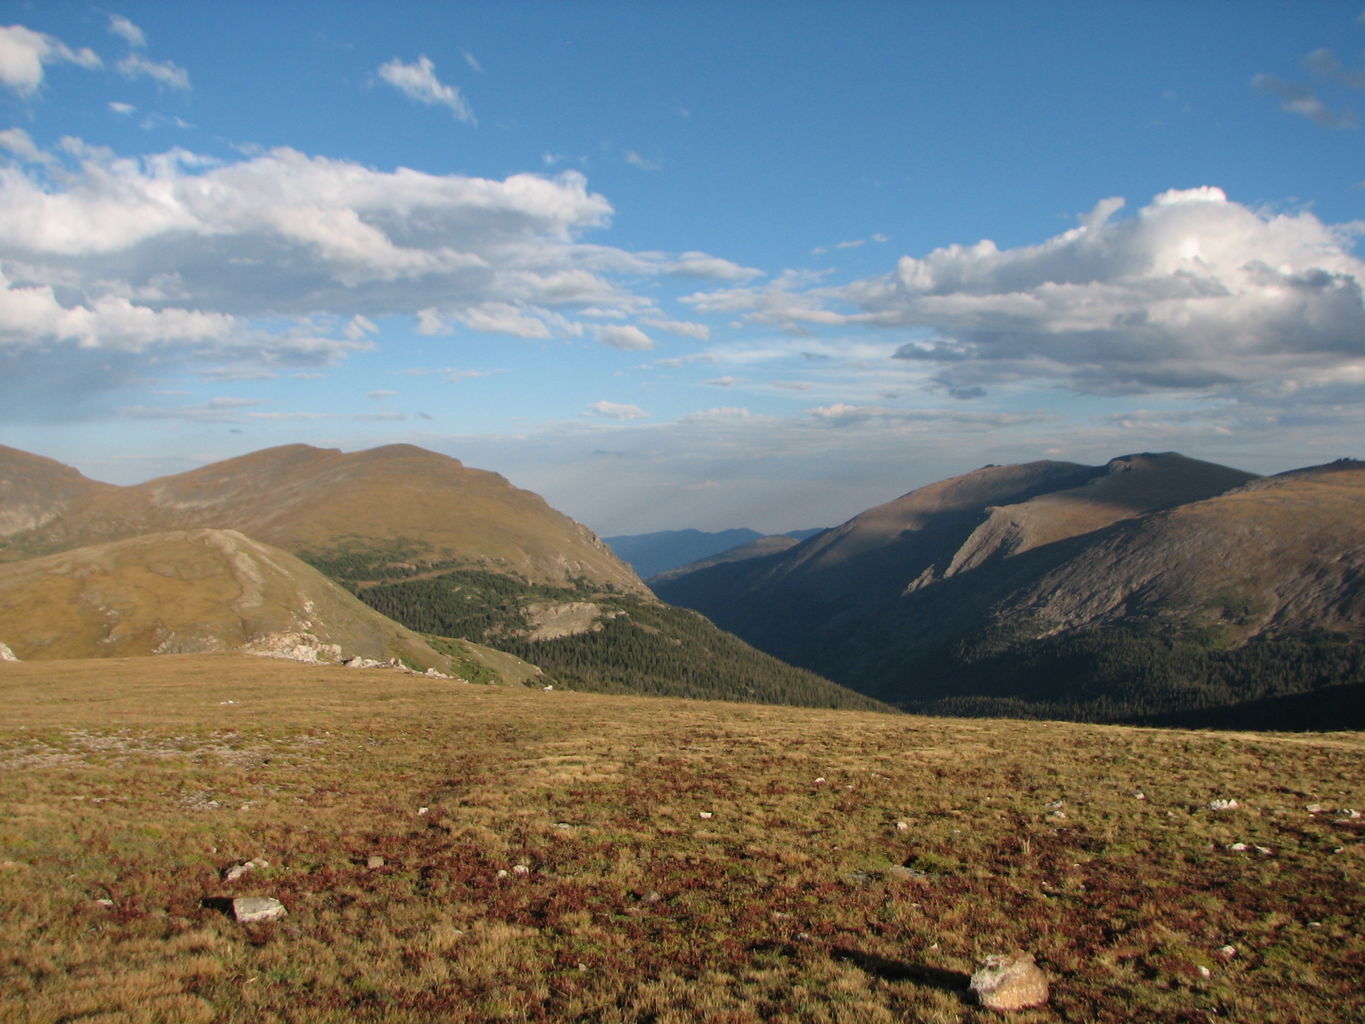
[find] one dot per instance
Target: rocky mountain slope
(1152, 585)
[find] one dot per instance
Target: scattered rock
(704, 814)
(249, 909)
(1010, 982)
(236, 871)
(1223, 805)
(374, 861)
(6, 654)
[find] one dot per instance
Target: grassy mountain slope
(398, 505)
(191, 590)
(448, 551)
(35, 490)
(569, 857)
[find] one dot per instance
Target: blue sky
(683, 265)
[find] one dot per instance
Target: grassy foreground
(554, 856)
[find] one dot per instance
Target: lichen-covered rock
(1010, 982)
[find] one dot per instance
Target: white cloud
(216, 410)
(636, 160)
(122, 109)
(503, 318)
(23, 53)
(380, 394)
(1194, 292)
(1301, 99)
(721, 382)
(165, 72)
(700, 264)
(473, 62)
(719, 414)
(617, 411)
(682, 328)
(18, 142)
(419, 82)
(130, 33)
(623, 336)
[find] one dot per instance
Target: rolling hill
(1153, 586)
(192, 591)
(398, 505)
(458, 555)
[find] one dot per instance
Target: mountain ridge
(1113, 575)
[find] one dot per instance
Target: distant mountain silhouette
(652, 553)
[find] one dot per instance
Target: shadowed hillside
(1155, 585)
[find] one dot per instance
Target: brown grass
(589, 858)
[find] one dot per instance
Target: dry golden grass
(590, 858)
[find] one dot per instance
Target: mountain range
(1156, 587)
(392, 553)
(651, 554)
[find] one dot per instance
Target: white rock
(6, 654)
(1010, 982)
(248, 909)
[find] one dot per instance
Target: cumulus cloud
(418, 81)
(1193, 292)
(285, 234)
(283, 257)
(23, 54)
(617, 411)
